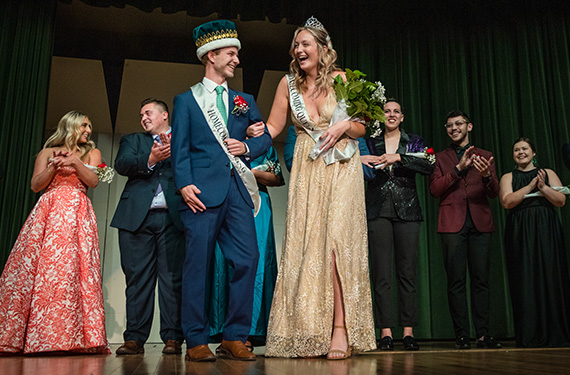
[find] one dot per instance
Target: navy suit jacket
(132, 162)
(199, 159)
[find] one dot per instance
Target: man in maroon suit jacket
(464, 179)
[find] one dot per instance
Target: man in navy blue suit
(150, 232)
(211, 169)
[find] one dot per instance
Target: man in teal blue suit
(151, 239)
(211, 169)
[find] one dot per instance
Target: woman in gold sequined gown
(322, 302)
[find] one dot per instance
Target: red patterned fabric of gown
(51, 297)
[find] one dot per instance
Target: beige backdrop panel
(278, 195)
(78, 84)
(161, 80)
(265, 97)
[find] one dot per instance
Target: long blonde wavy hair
(326, 65)
(67, 134)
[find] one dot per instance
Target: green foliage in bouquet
(364, 99)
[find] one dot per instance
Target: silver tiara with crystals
(314, 23)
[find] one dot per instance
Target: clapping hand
(61, 153)
(63, 159)
(164, 139)
(388, 159)
(370, 160)
(159, 152)
(541, 179)
(483, 165)
(538, 181)
(466, 159)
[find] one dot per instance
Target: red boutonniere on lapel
(240, 106)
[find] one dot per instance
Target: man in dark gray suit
(151, 236)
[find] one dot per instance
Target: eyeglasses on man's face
(460, 123)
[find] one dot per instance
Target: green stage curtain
(25, 57)
(511, 75)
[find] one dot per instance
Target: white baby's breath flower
(105, 174)
(377, 129)
(379, 93)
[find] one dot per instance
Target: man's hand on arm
(236, 148)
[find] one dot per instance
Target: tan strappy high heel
(345, 354)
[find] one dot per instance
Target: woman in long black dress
(535, 252)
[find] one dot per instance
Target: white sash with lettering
(333, 154)
(216, 124)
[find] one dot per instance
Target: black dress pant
(467, 248)
(389, 238)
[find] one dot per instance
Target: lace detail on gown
(325, 213)
(51, 296)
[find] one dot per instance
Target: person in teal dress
(535, 253)
(267, 171)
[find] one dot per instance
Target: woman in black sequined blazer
(394, 216)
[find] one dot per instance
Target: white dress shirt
(211, 89)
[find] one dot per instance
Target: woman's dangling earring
(534, 161)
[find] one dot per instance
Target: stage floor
(435, 357)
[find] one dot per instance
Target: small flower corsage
(269, 166)
(429, 154)
(105, 173)
(425, 153)
(240, 106)
(416, 148)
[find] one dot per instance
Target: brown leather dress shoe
(248, 345)
(172, 347)
(130, 347)
(200, 353)
(235, 350)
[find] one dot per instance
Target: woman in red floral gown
(51, 297)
